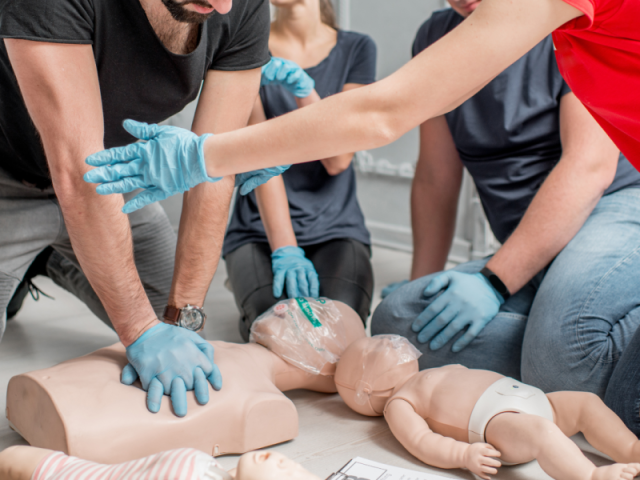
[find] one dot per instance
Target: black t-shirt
(508, 134)
(139, 78)
(322, 207)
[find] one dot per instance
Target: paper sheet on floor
(363, 469)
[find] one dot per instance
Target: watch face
(192, 318)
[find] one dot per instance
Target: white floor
(50, 331)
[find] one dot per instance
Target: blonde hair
(328, 14)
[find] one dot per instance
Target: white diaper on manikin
(506, 395)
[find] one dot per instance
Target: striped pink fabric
(181, 464)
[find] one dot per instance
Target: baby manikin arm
(413, 432)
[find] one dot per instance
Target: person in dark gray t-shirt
(318, 227)
(71, 71)
(541, 165)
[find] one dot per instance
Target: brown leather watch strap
(171, 314)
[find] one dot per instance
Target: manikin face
(196, 11)
(270, 466)
(464, 7)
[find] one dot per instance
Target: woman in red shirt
(598, 52)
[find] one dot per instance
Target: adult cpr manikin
(454, 417)
(102, 420)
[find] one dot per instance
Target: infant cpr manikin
(80, 407)
(454, 417)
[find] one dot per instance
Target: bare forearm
(434, 82)
(202, 226)
(274, 212)
(433, 219)
(556, 214)
(101, 239)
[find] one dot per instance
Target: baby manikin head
(371, 368)
(270, 466)
(308, 333)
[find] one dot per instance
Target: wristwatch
(189, 317)
(495, 281)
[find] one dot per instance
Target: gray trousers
(31, 220)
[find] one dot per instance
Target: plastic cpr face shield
(371, 368)
(305, 332)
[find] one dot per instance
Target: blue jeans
(569, 326)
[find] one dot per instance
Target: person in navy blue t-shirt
(303, 234)
(565, 205)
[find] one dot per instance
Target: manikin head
(308, 333)
(196, 11)
(270, 466)
(464, 7)
(370, 369)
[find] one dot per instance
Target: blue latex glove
(392, 287)
(170, 161)
(250, 180)
(169, 361)
(467, 300)
(302, 279)
(289, 75)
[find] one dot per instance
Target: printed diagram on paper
(363, 469)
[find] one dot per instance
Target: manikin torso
(446, 396)
(81, 408)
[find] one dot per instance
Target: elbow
(69, 183)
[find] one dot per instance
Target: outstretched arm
(434, 82)
(413, 432)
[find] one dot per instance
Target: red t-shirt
(599, 57)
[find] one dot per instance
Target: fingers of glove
(129, 374)
(114, 155)
(439, 322)
(141, 130)
(292, 283)
(179, 397)
(454, 326)
(215, 379)
(278, 283)
(249, 185)
(303, 283)
(429, 313)
(467, 338)
(437, 283)
(314, 284)
(125, 185)
(201, 386)
(143, 199)
(154, 395)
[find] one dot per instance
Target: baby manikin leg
(522, 438)
(181, 464)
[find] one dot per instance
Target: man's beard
(181, 14)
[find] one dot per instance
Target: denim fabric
(623, 391)
(567, 328)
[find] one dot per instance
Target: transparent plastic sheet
(384, 348)
(305, 332)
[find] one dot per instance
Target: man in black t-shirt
(70, 72)
(557, 304)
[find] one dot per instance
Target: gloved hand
(170, 161)
(467, 300)
(392, 287)
(250, 180)
(172, 360)
(289, 75)
(301, 275)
